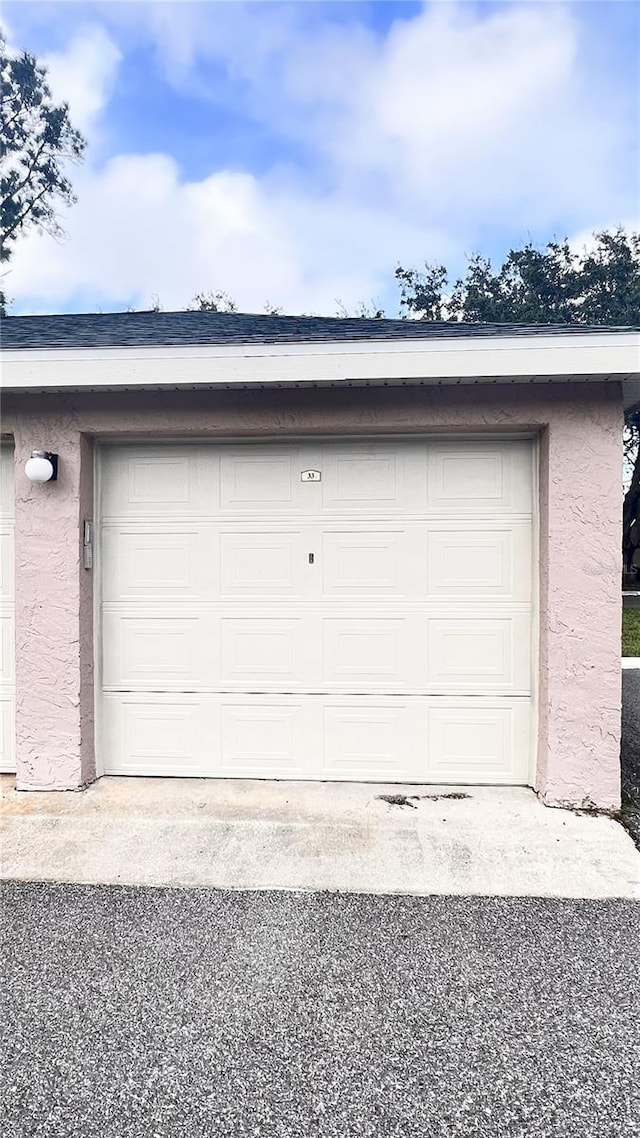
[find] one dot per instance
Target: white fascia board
(483, 359)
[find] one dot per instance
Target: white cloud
(458, 109)
(457, 120)
(83, 75)
(138, 230)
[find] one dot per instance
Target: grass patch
(631, 632)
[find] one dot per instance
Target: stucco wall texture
(579, 427)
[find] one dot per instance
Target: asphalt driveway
(165, 1013)
(630, 751)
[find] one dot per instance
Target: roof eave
(589, 357)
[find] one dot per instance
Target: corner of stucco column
(580, 604)
(54, 612)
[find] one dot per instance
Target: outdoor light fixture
(42, 466)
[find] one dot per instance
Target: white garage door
(7, 653)
(318, 610)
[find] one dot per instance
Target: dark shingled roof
(147, 329)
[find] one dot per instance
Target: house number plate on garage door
(310, 476)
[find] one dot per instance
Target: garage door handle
(311, 558)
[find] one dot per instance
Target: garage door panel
(436, 739)
(477, 477)
(7, 586)
(374, 476)
(474, 654)
(473, 741)
(358, 564)
(369, 654)
(253, 479)
(258, 652)
(7, 649)
(7, 711)
(263, 563)
(152, 562)
(153, 734)
(172, 481)
(372, 740)
(7, 496)
(480, 564)
(159, 651)
(274, 651)
(275, 738)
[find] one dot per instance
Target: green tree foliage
(423, 292)
(553, 285)
(631, 507)
(212, 302)
(37, 141)
(220, 301)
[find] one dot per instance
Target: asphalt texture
(162, 1012)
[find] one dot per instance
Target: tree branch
(25, 213)
(7, 122)
(27, 176)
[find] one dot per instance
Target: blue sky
(295, 153)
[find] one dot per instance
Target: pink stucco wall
(54, 605)
(580, 516)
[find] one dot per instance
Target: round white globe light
(38, 468)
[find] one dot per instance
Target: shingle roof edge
(148, 329)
